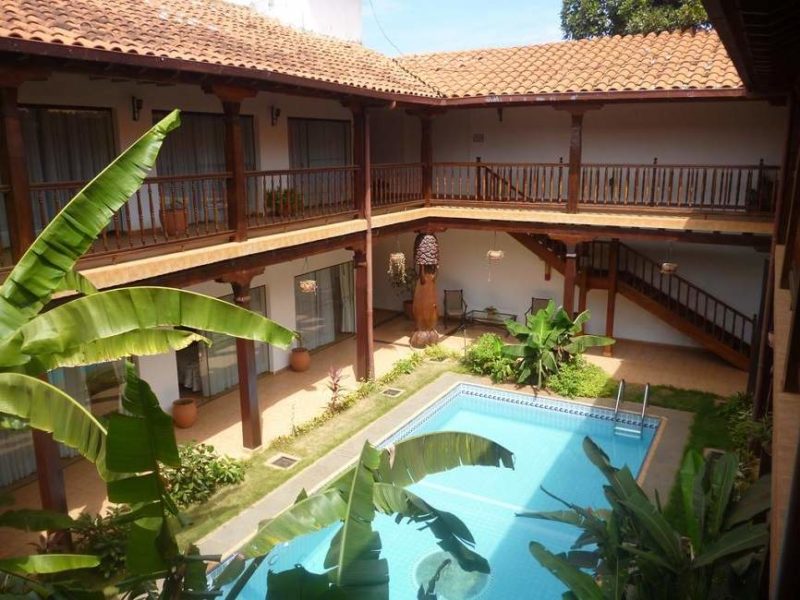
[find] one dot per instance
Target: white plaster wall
(721, 132)
(338, 18)
(161, 372)
(732, 273)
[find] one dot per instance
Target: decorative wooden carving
(426, 310)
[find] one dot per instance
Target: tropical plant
(485, 357)
(335, 375)
(201, 473)
(104, 536)
(579, 378)
(376, 484)
(548, 338)
(635, 553)
(99, 327)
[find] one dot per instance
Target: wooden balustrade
(163, 209)
(750, 188)
(297, 194)
(396, 183)
(500, 182)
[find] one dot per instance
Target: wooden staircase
(677, 301)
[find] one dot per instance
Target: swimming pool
(546, 437)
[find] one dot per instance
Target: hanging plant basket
(495, 255)
(397, 264)
(308, 286)
(668, 268)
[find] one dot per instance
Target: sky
(417, 26)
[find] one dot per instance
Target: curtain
(64, 144)
(17, 459)
(315, 313)
(221, 370)
(347, 287)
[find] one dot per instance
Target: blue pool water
(546, 438)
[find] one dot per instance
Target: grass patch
(309, 445)
(709, 429)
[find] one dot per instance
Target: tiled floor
(288, 396)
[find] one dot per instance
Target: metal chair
(537, 304)
(454, 306)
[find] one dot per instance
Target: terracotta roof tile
(668, 60)
(219, 33)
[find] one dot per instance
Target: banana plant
(636, 553)
(99, 325)
(377, 484)
(549, 337)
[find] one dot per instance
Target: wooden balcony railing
(164, 209)
(396, 183)
(750, 188)
(298, 194)
(500, 182)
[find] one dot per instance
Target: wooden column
(236, 186)
(575, 151)
(246, 362)
(613, 273)
(14, 173)
(570, 274)
(361, 158)
(365, 342)
(50, 476)
(426, 158)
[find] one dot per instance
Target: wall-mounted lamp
(500, 113)
(274, 113)
(136, 107)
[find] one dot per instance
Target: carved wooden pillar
(236, 186)
(246, 362)
(365, 343)
(613, 271)
(426, 157)
(575, 152)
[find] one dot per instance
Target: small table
(493, 318)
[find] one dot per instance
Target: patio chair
(454, 306)
(537, 304)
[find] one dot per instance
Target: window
(328, 314)
(318, 143)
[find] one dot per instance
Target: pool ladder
(627, 429)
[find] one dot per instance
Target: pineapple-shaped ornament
(426, 313)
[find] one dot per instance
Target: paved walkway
(286, 395)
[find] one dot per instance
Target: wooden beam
(246, 362)
(365, 343)
(14, 172)
(426, 157)
(611, 302)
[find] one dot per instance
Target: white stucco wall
(721, 132)
(338, 18)
(161, 372)
(732, 273)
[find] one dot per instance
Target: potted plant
(174, 218)
(184, 412)
(286, 203)
(403, 280)
(300, 357)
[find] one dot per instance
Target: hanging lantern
(495, 255)
(668, 267)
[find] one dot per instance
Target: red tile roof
(219, 33)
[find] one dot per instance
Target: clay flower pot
(184, 412)
(300, 359)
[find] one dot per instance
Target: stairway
(680, 303)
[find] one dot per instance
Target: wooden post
(570, 273)
(49, 473)
(14, 173)
(575, 150)
(613, 272)
(426, 158)
(246, 362)
(365, 342)
(236, 185)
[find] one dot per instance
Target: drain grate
(282, 461)
(392, 392)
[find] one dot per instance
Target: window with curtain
(318, 143)
(329, 314)
(64, 144)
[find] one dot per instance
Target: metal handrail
(644, 405)
(620, 394)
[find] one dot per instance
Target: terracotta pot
(184, 412)
(174, 221)
(408, 309)
(300, 359)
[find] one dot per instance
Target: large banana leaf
(748, 537)
(75, 282)
(53, 254)
(691, 477)
(143, 342)
(721, 477)
(47, 408)
(579, 343)
(41, 564)
(36, 520)
(452, 534)
(313, 513)
(299, 584)
(111, 313)
(754, 501)
(581, 584)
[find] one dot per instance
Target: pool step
(626, 430)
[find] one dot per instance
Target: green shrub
(103, 536)
(485, 357)
(738, 412)
(578, 378)
(202, 472)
